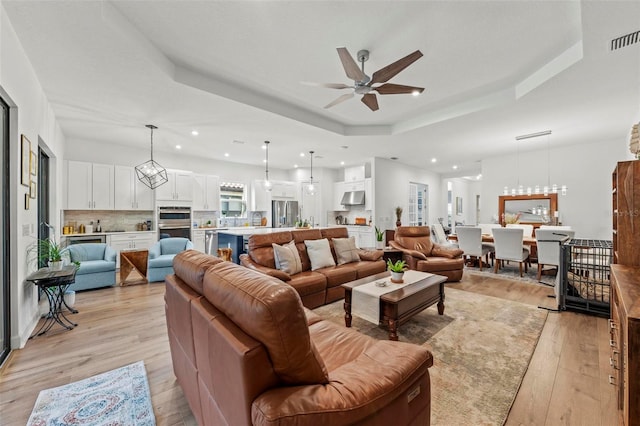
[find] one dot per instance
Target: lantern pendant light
(151, 173)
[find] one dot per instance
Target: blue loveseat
(97, 265)
(161, 256)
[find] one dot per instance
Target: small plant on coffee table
(397, 270)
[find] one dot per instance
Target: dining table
(488, 238)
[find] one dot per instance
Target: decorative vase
(396, 277)
(55, 265)
(69, 298)
(379, 245)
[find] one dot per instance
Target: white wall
(585, 169)
(32, 116)
(391, 188)
(467, 191)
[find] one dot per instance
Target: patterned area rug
(117, 397)
(481, 346)
(512, 271)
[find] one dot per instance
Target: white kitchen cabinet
(260, 197)
(368, 194)
(206, 192)
(338, 192)
(283, 190)
(354, 186)
(178, 188)
(364, 236)
(198, 239)
(130, 193)
(130, 241)
(355, 173)
(90, 186)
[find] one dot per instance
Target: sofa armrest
(412, 253)
(109, 254)
(154, 251)
(189, 245)
(246, 261)
(448, 252)
(370, 255)
(370, 382)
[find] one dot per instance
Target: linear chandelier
(546, 189)
(151, 173)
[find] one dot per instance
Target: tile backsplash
(110, 220)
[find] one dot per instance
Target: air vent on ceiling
(625, 40)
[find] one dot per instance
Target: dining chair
(508, 246)
(437, 231)
(487, 227)
(548, 243)
(526, 229)
(470, 242)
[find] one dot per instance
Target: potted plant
(397, 270)
(48, 252)
(379, 238)
(398, 215)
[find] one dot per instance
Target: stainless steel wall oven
(174, 221)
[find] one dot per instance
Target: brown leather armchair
(422, 254)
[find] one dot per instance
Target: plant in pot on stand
(398, 216)
(397, 270)
(48, 253)
(379, 238)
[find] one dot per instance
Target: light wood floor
(566, 383)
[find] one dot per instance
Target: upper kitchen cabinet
(178, 188)
(130, 193)
(352, 174)
(206, 192)
(283, 190)
(90, 186)
(338, 192)
(368, 194)
(260, 198)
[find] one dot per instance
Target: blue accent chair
(97, 265)
(161, 256)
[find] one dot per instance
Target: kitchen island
(237, 238)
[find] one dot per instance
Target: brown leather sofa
(318, 287)
(246, 352)
(422, 254)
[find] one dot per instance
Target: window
(233, 200)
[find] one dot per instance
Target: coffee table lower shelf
(399, 306)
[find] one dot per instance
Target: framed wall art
(25, 169)
(33, 164)
(32, 189)
(458, 205)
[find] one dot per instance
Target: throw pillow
(287, 258)
(319, 253)
(346, 250)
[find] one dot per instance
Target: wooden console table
(133, 260)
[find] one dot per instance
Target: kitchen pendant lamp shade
(311, 189)
(151, 173)
(267, 183)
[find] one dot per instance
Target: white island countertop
(252, 231)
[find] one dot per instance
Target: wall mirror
(530, 209)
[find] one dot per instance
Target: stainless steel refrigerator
(284, 213)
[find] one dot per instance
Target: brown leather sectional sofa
(318, 287)
(246, 352)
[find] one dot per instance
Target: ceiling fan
(363, 84)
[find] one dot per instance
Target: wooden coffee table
(398, 306)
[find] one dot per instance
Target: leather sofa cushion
(416, 238)
(271, 312)
(365, 269)
(337, 275)
(308, 282)
(435, 264)
(261, 250)
(190, 266)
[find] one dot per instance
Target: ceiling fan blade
(340, 100)
(329, 85)
(350, 66)
(371, 101)
(397, 89)
(385, 74)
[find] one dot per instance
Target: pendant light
(311, 190)
(267, 183)
(151, 173)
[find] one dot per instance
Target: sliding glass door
(5, 314)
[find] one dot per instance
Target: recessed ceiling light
(238, 142)
(433, 160)
(344, 146)
(479, 176)
(416, 93)
(342, 163)
(302, 154)
(178, 146)
(226, 154)
(295, 166)
(194, 133)
(455, 167)
(264, 161)
(264, 146)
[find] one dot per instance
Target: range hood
(353, 198)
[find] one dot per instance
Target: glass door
(5, 315)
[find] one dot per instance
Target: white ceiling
(233, 70)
